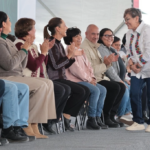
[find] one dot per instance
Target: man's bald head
(92, 33)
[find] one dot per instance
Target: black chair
(62, 125)
(81, 118)
(56, 124)
(82, 115)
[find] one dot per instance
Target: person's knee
(86, 90)
(26, 87)
(116, 88)
(123, 87)
(67, 90)
(103, 90)
(11, 87)
(95, 90)
(83, 91)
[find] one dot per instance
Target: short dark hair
(101, 33)
(3, 18)
(116, 39)
(23, 26)
(52, 24)
(11, 37)
(71, 32)
(133, 12)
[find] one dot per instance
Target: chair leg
(57, 127)
(77, 123)
(82, 119)
(63, 124)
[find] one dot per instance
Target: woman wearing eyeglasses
(138, 50)
(116, 73)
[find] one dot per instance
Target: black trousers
(79, 94)
(115, 92)
(62, 92)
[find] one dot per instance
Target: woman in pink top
(81, 71)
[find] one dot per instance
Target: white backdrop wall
(81, 13)
(26, 8)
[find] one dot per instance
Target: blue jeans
(15, 102)
(96, 99)
(135, 95)
(125, 105)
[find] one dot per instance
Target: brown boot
(29, 130)
(36, 132)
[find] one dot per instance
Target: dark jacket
(58, 61)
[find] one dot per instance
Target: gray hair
(133, 12)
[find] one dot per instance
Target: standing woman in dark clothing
(56, 65)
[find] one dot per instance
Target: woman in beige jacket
(12, 63)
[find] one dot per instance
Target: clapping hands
(29, 40)
(46, 46)
(111, 58)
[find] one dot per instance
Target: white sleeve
(143, 58)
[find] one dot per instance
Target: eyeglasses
(127, 19)
(108, 36)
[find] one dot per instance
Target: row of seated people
(23, 65)
(63, 80)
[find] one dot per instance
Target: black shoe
(111, 124)
(1, 122)
(3, 141)
(100, 123)
(67, 124)
(13, 136)
(21, 132)
(115, 121)
(145, 117)
(92, 124)
(48, 127)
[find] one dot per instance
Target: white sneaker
(147, 129)
(127, 119)
(135, 127)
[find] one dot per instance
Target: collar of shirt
(4, 36)
(51, 38)
(94, 45)
(138, 29)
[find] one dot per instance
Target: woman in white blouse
(138, 52)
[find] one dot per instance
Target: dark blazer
(58, 61)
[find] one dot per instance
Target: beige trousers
(42, 101)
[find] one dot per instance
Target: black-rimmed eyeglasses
(108, 36)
